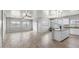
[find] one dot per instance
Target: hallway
(34, 40)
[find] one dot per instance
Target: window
(15, 22)
(24, 23)
(65, 21)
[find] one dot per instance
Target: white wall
(4, 25)
(43, 21)
(0, 30)
(43, 25)
(40, 21)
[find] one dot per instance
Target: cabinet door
(58, 36)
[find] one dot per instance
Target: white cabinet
(60, 35)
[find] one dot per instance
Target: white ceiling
(51, 13)
(61, 13)
(70, 12)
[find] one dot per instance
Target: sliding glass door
(18, 25)
(74, 24)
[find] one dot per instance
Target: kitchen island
(60, 35)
